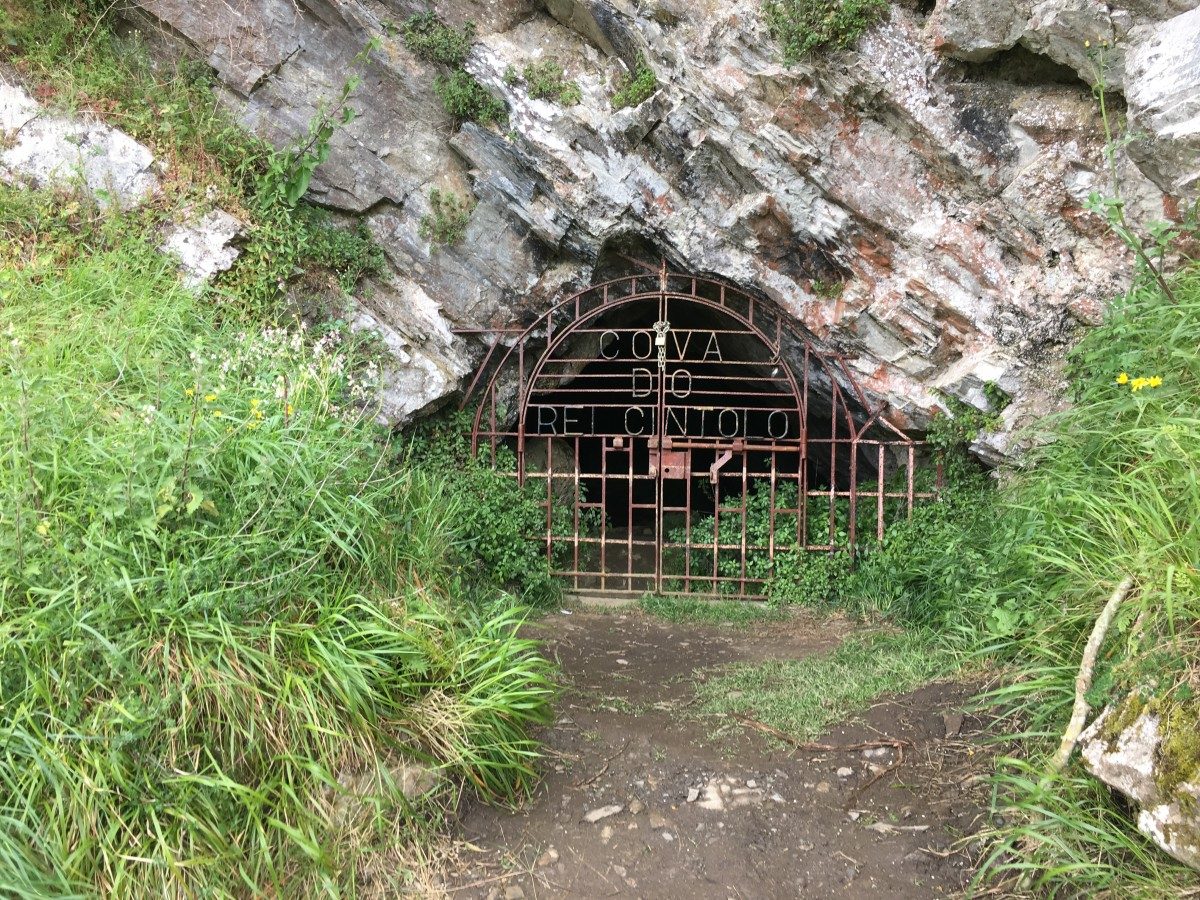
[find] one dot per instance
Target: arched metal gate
(673, 446)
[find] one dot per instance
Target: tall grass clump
(1113, 491)
(228, 625)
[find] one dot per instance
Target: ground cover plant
(232, 622)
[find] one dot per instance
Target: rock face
(916, 204)
(1132, 762)
(41, 149)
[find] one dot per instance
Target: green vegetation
(447, 219)
(546, 80)
(806, 26)
(804, 697)
(1113, 494)
(496, 514)
(962, 423)
(467, 100)
(233, 614)
(709, 612)
(431, 39)
(637, 88)
(462, 96)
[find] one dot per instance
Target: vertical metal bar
(549, 502)
(745, 507)
(911, 466)
(853, 531)
(604, 509)
(833, 429)
(802, 465)
(687, 530)
(575, 516)
(771, 532)
(879, 508)
(629, 523)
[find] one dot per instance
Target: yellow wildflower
(43, 528)
(254, 403)
(190, 392)
(289, 409)
(217, 413)
(1123, 378)
(252, 425)
(1154, 381)
(209, 398)
(1087, 44)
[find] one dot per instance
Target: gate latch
(720, 461)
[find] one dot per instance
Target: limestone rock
(204, 247)
(1162, 85)
(42, 148)
(1130, 762)
(974, 31)
(948, 208)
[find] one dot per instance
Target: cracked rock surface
(936, 176)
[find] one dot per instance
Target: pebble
(693, 795)
(606, 834)
(602, 813)
(845, 772)
(822, 788)
(514, 892)
(549, 858)
(668, 837)
(635, 807)
(751, 783)
(657, 821)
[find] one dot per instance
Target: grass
(233, 615)
(225, 619)
(805, 697)
(738, 613)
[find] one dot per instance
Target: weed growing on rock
(636, 89)
(447, 219)
(805, 26)
(545, 80)
(467, 100)
(431, 39)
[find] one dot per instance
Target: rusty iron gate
(672, 446)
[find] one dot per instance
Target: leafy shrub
(431, 39)
(467, 100)
(501, 522)
(637, 89)
(804, 26)
(447, 219)
(224, 617)
(546, 81)
(350, 252)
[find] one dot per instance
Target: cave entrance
(661, 423)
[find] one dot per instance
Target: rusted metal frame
(550, 501)
(564, 333)
(879, 481)
(604, 449)
(577, 504)
(852, 529)
(745, 508)
(603, 289)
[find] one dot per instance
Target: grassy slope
(225, 614)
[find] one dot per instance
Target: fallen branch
(814, 746)
(1083, 682)
(607, 763)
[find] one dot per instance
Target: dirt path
(640, 801)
